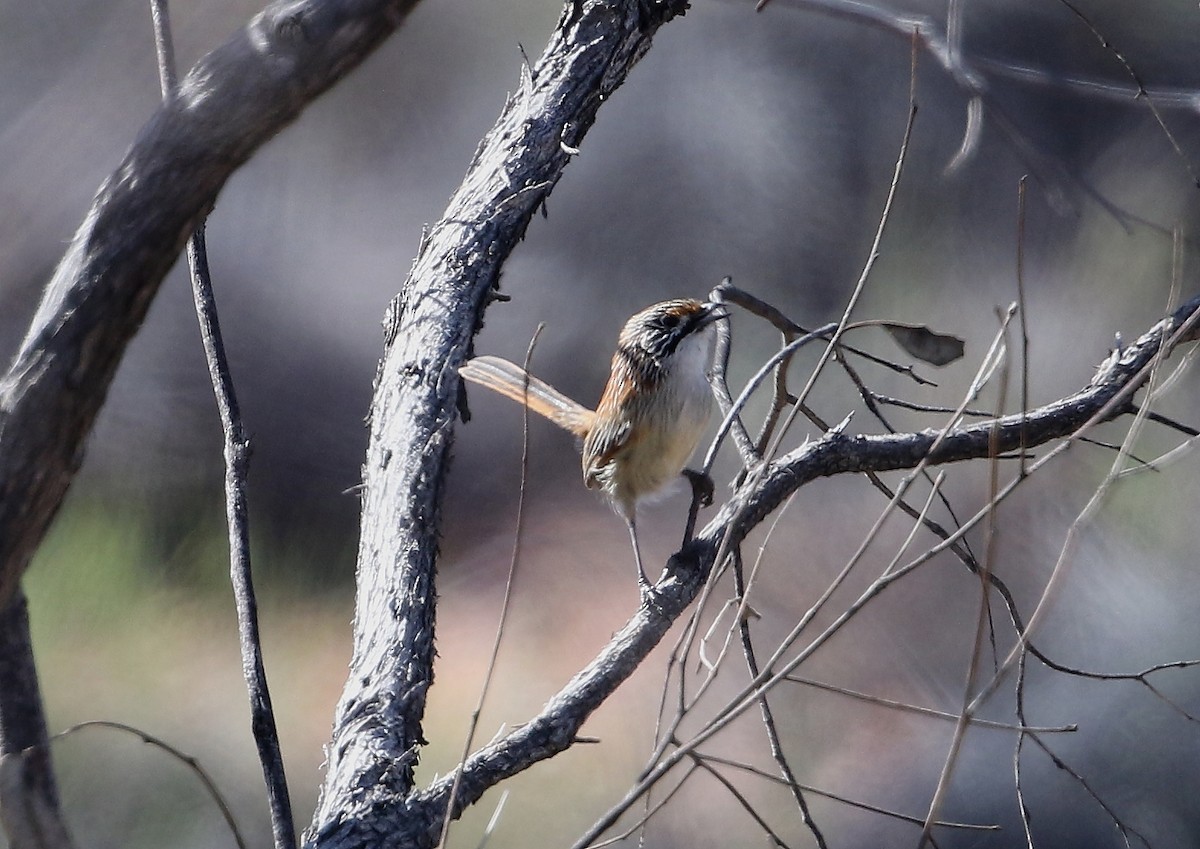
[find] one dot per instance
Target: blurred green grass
(133, 622)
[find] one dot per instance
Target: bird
(652, 413)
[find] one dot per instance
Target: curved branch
(1107, 396)
(554, 729)
(428, 329)
(233, 101)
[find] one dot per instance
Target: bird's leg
(643, 581)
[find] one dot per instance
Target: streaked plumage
(653, 410)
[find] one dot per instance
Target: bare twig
(493, 821)
(860, 285)
(505, 604)
(745, 803)
(1142, 93)
(745, 445)
(768, 718)
(187, 760)
(1022, 308)
(893, 704)
(741, 601)
(845, 800)
(983, 619)
(650, 811)
(1023, 809)
(1126, 830)
(237, 458)
(880, 398)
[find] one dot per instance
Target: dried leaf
(919, 341)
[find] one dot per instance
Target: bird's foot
(702, 486)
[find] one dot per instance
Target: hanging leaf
(920, 342)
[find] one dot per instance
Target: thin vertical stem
(237, 458)
(768, 718)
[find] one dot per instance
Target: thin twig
(768, 718)
(505, 604)
(187, 760)
(1022, 309)
(1023, 808)
(650, 812)
(1125, 829)
(983, 620)
(237, 456)
(868, 266)
(742, 800)
(880, 398)
(1167, 421)
(845, 800)
(921, 710)
(1160, 462)
(492, 821)
(1112, 446)
(745, 445)
(742, 599)
(1142, 93)
(164, 48)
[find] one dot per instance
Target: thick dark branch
(428, 330)
(29, 814)
(234, 100)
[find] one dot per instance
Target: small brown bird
(652, 413)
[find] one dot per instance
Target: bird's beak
(713, 312)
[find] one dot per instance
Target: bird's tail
(512, 381)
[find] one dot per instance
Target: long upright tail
(511, 381)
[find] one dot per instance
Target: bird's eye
(670, 320)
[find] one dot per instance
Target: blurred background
(759, 146)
